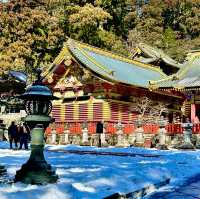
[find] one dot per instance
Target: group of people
(18, 134)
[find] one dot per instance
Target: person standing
(99, 131)
(24, 135)
(13, 134)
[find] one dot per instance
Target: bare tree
(145, 106)
(157, 109)
(141, 105)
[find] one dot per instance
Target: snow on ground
(97, 176)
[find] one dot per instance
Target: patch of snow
(97, 176)
(82, 187)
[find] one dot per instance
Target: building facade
(95, 85)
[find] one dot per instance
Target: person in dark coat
(24, 136)
(13, 134)
(99, 130)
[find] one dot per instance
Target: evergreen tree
(29, 36)
(32, 32)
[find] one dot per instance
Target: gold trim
(153, 82)
(167, 94)
(90, 110)
(120, 112)
(118, 101)
(106, 110)
(64, 53)
(62, 113)
(179, 87)
(75, 111)
(130, 116)
(174, 110)
(64, 76)
(193, 54)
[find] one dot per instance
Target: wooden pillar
(193, 112)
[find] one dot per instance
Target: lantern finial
(38, 72)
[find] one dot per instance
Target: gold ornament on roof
(68, 62)
(50, 79)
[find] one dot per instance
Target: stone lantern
(187, 134)
(139, 139)
(38, 106)
(162, 133)
(120, 140)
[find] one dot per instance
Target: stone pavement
(191, 191)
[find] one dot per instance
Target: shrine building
(187, 82)
(97, 85)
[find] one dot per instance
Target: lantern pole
(38, 106)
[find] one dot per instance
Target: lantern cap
(36, 91)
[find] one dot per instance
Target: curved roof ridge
(180, 74)
(116, 56)
(171, 77)
(184, 77)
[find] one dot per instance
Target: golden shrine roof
(108, 65)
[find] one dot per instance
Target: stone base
(36, 170)
(137, 144)
(85, 143)
(105, 144)
(38, 173)
(131, 139)
(76, 139)
(112, 140)
(162, 147)
(186, 146)
(122, 145)
(147, 143)
(94, 140)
